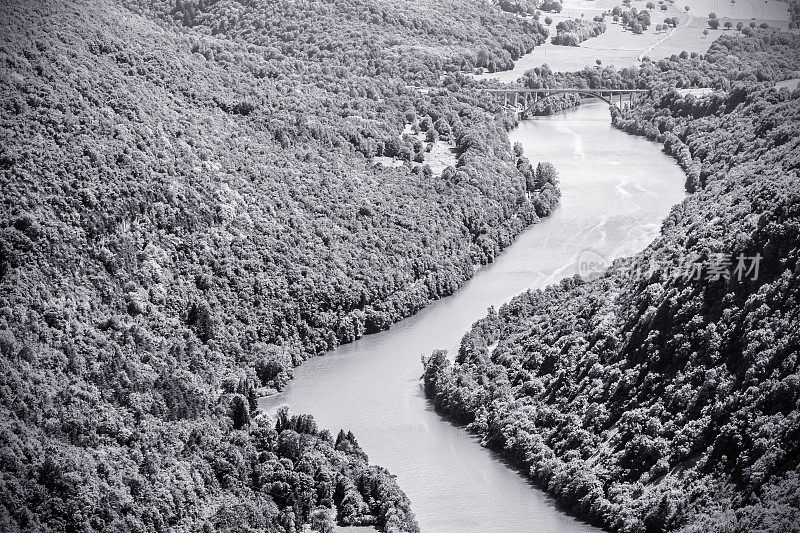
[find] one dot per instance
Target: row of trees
(714, 23)
(572, 32)
(662, 403)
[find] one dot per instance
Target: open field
(623, 48)
(789, 84)
(439, 156)
(616, 46)
(769, 10)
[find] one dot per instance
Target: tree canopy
(648, 399)
(197, 196)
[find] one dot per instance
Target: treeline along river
(616, 189)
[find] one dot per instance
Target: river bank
(615, 190)
(599, 388)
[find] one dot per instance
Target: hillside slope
(665, 395)
(191, 205)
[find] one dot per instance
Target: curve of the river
(616, 189)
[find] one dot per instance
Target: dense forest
(263, 477)
(191, 205)
(664, 395)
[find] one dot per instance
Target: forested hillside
(732, 61)
(191, 206)
(665, 395)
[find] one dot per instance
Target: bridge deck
(540, 91)
(532, 97)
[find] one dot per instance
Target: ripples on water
(616, 189)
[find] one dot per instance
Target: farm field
(769, 10)
(623, 48)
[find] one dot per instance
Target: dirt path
(652, 47)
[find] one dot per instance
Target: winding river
(616, 189)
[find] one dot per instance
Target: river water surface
(616, 189)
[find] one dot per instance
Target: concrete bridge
(523, 100)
